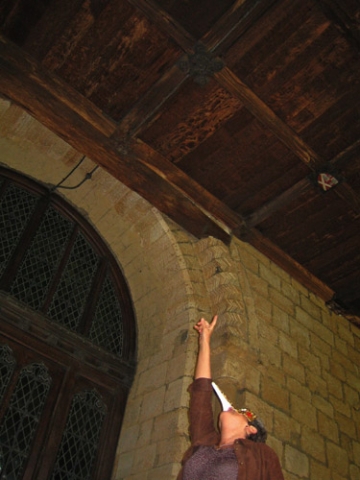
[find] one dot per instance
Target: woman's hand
(205, 329)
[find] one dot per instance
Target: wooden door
(58, 416)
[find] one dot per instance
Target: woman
(238, 450)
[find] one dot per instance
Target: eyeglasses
(248, 414)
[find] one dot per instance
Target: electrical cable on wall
(87, 177)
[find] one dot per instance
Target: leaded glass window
(42, 259)
(80, 440)
(59, 283)
(52, 261)
(16, 207)
(21, 419)
(7, 365)
(72, 293)
(106, 329)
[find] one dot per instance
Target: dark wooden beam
(14, 62)
(46, 98)
(346, 155)
(229, 219)
(345, 14)
(234, 23)
(159, 17)
(348, 195)
(144, 112)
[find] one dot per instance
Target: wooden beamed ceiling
(228, 116)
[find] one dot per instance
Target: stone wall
(277, 348)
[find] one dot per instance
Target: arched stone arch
(160, 264)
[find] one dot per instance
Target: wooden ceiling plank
(267, 117)
(13, 57)
(159, 17)
(314, 221)
(348, 194)
(144, 112)
(346, 155)
(237, 20)
(281, 201)
(22, 80)
(347, 289)
(346, 14)
(193, 118)
(325, 259)
(177, 177)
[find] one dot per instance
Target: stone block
(323, 405)
(282, 321)
(319, 471)
(270, 354)
(166, 426)
(168, 472)
(277, 298)
(354, 472)
(146, 433)
(338, 459)
(313, 444)
(304, 318)
(334, 385)
(270, 277)
(285, 428)
(144, 459)
(298, 333)
(328, 428)
(345, 332)
(324, 333)
(175, 395)
(317, 385)
(310, 361)
(310, 307)
(129, 438)
(153, 404)
(290, 292)
(293, 368)
(153, 378)
(123, 465)
(340, 407)
(250, 262)
(288, 345)
(352, 395)
(296, 462)
(303, 411)
(353, 380)
(274, 394)
(258, 284)
(318, 345)
(346, 426)
(299, 389)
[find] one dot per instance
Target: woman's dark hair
(261, 435)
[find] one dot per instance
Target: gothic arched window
(66, 317)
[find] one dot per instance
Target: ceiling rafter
(171, 139)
